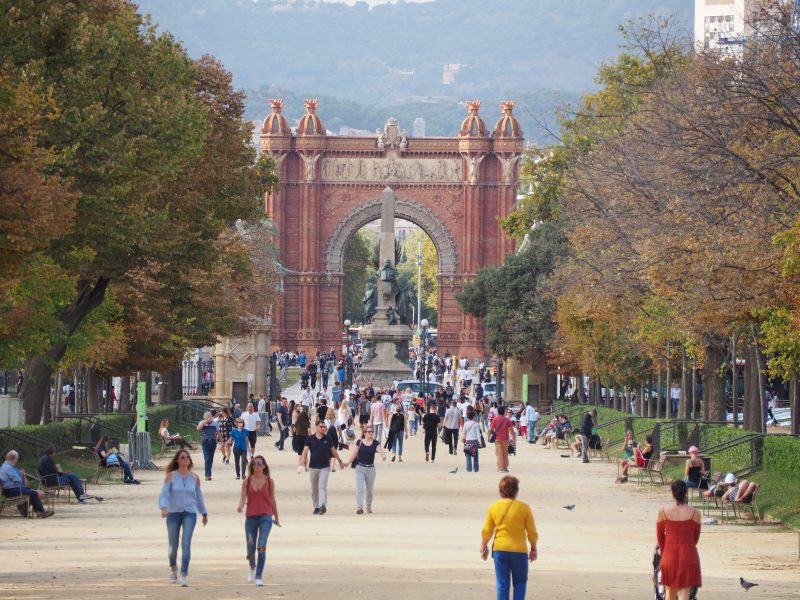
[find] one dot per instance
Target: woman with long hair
(363, 455)
(180, 501)
(172, 439)
(512, 524)
(258, 493)
(398, 432)
(677, 531)
(226, 425)
(108, 457)
(300, 429)
(471, 438)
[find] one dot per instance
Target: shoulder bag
(493, 434)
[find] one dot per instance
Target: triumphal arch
(456, 189)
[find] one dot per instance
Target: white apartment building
(724, 25)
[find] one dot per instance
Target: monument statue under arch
(455, 188)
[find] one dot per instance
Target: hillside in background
(408, 60)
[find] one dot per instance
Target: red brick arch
(456, 189)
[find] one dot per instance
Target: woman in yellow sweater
(511, 521)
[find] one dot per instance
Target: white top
(472, 430)
(262, 405)
(250, 420)
(307, 399)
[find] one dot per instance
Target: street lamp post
(348, 361)
(421, 355)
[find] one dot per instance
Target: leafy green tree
(358, 269)
(514, 298)
(153, 144)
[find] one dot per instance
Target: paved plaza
(421, 542)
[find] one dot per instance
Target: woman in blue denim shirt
(180, 501)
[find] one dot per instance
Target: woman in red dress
(678, 529)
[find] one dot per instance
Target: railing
(197, 377)
(741, 455)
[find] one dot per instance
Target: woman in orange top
(512, 522)
(258, 493)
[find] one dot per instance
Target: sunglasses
(370, 431)
(258, 463)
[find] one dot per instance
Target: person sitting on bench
(15, 483)
(108, 457)
(172, 439)
(53, 476)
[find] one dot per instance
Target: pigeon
(746, 584)
(569, 506)
(454, 471)
(565, 456)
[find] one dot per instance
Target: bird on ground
(569, 506)
(746, 584)
(454, 471)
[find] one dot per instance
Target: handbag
(481, 441)
(112, 459)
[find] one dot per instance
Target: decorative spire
(276, 104)
(507, 106)
(311, 105)
(473, 106)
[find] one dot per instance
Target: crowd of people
(354, 427)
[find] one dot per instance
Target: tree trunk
(92, 391)
(641, 398)
(668, 409)
(713, 385)
(57, 408)
(695, 413)
(125, 394)
(684, 403)
(658, 393)
(39, 369)
(174, 379)
(762, 417)
(751, 392)
(734, 381)
(794, 403)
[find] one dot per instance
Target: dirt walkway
(422, 541)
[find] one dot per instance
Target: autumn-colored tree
(154, 144)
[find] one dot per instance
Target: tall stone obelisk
(386, 340)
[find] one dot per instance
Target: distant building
(346, 131)
(419, 127)
(449, 72)
(725, 25)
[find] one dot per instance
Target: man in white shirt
(251, 422)
(452, 423)
(306, 399)
(533, 420)
(323, 395)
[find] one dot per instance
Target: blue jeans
(256, 530)
(209, 447)
(472, 462)
(69, 479)
(175, 521)
(412, 426)
(532, 430)
(397, 443)
(508, 567)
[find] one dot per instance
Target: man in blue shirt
(15, 483)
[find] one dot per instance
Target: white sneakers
(173, 576)
(251, 576)
(184, 581)
(260, 582)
